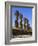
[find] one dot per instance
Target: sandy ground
(21, 38)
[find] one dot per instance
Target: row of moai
(26, 22)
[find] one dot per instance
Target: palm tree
(16, 21)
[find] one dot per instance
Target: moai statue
(21, 16)
(25, 24)
(16, 21)
(29, 28)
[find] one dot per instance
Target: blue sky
(26, 12)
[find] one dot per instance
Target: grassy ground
(20, 32)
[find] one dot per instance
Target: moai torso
(25, 24)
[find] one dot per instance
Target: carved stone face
(17, 13)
